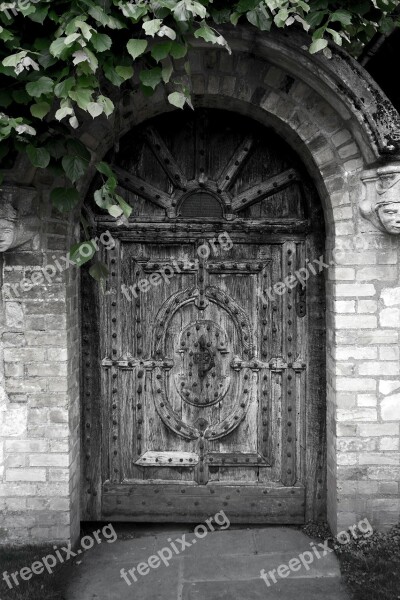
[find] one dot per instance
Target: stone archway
(340, 123)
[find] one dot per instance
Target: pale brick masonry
(39, 409)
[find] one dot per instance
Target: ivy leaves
(136, 47)
(57, 57)
(43, 85)
(87, 41)
(39, 157)
(76, 162)
(64, 199)
(107, 198)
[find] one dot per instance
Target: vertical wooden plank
(113, 399)
(91, 429)
(290, 439)
(316, 389)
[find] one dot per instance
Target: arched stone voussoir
(341, 81)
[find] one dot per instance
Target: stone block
(344, 400)
(367, 337)
(16, 460)
(367, 306)
(390, 408)
(49, 400)
(50, 369)
(59, 475)
(348, 150)
(14, 315)
(57, 384)
(390, 317)
(379, 458)
(59, 416)
(344, 306)
(356, 352)
(354, 384)
(389, 443)
(34, 384)
(49, 460)
(378, 429)
(389, 487)
(378, 273)
(341, 137)
(357, 414)
(26, 445)
(355, 321)
(387, 387)
(26, 475)
(15, 421)
(356, 290)
(14, 370)
(379, 368)
(24, 355)
(342, 274)
(391, 473)
(367, 400)
(57, 354)
(391, 296)
(346, 458)
(13, 340)
(389, 353)
(356, 444)
(47, 338)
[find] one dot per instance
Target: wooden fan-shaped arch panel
(211, 164)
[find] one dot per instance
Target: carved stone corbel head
(381, 203)
(16, 226)
(8, 226)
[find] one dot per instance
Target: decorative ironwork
(203, 358)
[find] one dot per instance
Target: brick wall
(39, 406)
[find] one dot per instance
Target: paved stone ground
(224, 565)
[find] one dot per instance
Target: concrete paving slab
(228, 568)
(227, 541)
(105, 582)
(224, 564)
(331, 589)
(280, 539)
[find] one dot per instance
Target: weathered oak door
(203, 373)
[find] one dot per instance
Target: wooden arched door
(203, 362)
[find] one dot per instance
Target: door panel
(198, 383)
(202, 375)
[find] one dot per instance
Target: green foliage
(80, 257)
(371, 565)
(369, 560)
(64, 199)
(56, 56)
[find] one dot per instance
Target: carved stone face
(389, 216)
(7, 234)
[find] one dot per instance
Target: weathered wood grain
(206, 391)
(171, 502)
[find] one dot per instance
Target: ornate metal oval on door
(203, 366)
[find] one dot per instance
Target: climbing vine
(58, 58)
